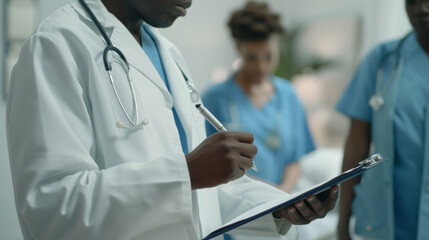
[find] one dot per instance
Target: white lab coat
(76, 175)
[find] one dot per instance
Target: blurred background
(325, 42)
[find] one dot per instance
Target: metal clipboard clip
(372, 161)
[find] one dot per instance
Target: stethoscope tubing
(108, 66)
(377, 99)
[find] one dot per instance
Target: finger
(291, 215)
(333, 197)
(243, 137)
(306, 211)
(295, 217)
(319, 209)
(244, 162)
(247, 150)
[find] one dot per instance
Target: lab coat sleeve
(248, 193)
(60, 191)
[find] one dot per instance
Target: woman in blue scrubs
(389, 114)
(254, 100)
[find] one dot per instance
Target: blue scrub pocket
(369, 206)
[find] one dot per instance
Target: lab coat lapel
(176, 71)
(193, 124)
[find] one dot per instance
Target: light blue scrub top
(227, 99)
(151, 49)
(408, 127)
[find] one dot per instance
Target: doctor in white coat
(92, 160)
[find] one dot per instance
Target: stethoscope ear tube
(97, 23)
(125, 65)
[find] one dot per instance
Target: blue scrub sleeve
(354, 101)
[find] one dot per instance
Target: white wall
(9, 228)
(392, 20)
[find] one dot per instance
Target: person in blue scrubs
(252, 99)
(389, 114)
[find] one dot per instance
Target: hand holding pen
(222, 157)
(215, 123)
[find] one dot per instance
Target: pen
(215, 123)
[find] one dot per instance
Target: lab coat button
(368, 228)
(145, 122)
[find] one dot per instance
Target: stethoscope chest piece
(376, 102)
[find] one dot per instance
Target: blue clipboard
(320, 190)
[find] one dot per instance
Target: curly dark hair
(254, 22)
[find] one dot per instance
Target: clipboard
(320, 190)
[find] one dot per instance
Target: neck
(126, 15)
(247, 84)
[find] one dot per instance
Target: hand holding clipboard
(321, 191)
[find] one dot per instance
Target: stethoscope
(136, 123)
(377, 99)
